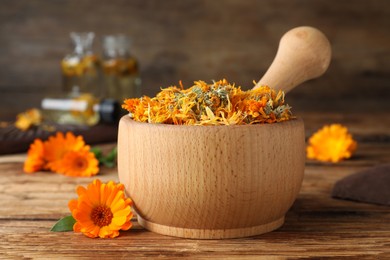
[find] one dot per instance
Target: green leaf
(98, 152)
(109, 160)
(108, 164)
(112, 155)
(64, 224)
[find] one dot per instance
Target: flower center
(80, 163)
(101, 216)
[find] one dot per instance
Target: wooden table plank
(316, 225)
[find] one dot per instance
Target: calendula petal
(210, 104)
(101, 210)
(332, 143)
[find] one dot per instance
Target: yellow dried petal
(219, 103)
(29, 118)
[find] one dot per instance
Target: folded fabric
(13, 140)
(370, 186)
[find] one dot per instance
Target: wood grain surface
(197, 40)
(317, 226)
(304, 53)
(214, 181)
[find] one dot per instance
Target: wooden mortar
(212, 182)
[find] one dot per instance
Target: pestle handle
(304, 53)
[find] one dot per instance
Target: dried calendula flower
(76, 66)
(219, 103)
(332, 143)
(26, 120)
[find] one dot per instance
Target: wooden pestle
(304, 53)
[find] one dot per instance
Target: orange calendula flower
(35, 157)
(101, 210)
(56, 147)
(79, 164)
(65, 154)
(332, 143)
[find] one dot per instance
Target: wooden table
(316, 226)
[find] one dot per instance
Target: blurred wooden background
(200, 39)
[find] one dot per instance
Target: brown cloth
(13, 140)
(370, 186)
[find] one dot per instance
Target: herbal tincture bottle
(120, 69)
(80, 69)
(84, 109)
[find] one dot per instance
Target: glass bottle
(80, 68)
(120, 69)
(85, 109)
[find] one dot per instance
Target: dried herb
(219, 103)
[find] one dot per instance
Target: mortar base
(210, 233)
